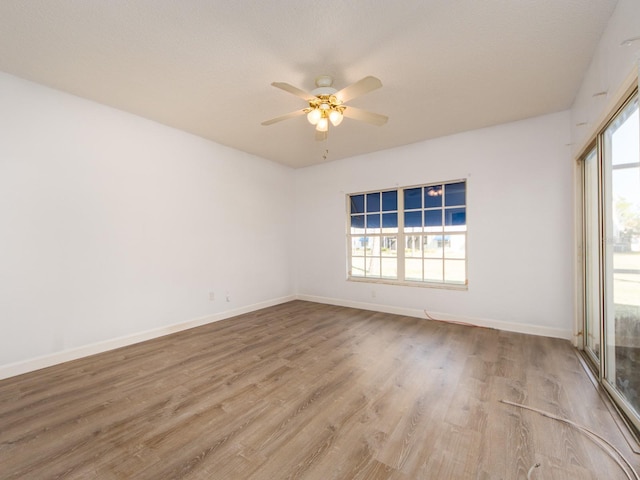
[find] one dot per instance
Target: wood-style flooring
(311, 391)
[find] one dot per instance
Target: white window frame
(401, 236)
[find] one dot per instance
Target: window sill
(442, 286)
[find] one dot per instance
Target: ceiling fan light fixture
(326, 104)
(314, 116)
(322, 125)
(336, 117)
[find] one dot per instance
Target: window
(374, 235)
(411, 236)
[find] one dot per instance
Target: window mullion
(401, 239)
(349, 237)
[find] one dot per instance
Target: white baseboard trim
(25, 366)
(478, 322)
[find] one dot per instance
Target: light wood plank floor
(310, 391)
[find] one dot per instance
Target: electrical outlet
(228, 297)
(212, 296)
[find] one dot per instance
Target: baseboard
(18, 368)
(414, 312)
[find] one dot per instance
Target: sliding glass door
(611, 221)
(622, 255)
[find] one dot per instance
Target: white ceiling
(205, 66)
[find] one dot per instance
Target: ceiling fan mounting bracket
(323, 86)
(324, 81)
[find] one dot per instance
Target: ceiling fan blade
(321, 136)
(295, 90)
(366, 85)
(364, 116)
(297, 113)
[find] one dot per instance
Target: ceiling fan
(326, 104)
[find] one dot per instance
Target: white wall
(611, 64)
(520, 221)
(111, 224)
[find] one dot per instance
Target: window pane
(412, 198)
(434, 245)
(389, 247)
(413, 269)
(366, 245)
(390, 200)
(358, 245)
(357, 221)
(373, 246)
(592, 255)
(413, 247)
(413, 219)
(433, 271)
(373, 221)
(626, 204)
(455, 246)
(622, 260)
(390, 220)
(373, 202)
(372, 267)
(433, 218)
(622, 136)
(357, 266)
(357, 203)
(433, 196)
(454, 194)
(454, 271)
(455, 216)
(389, 268)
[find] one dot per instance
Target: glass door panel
(622, 256)
(592, 257)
